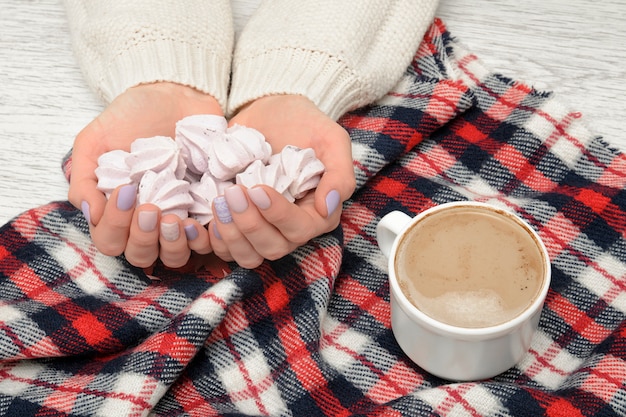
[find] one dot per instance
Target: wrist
(275, 101)
(192, 101)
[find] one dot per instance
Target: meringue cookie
(272, 175)
(194, 135)
(165, 191)
(237, 149)
(184, 175)
(112, 171)
(155, 154)
(203, 193)
(292, 172)
(303, 167)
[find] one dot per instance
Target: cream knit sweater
(341, 54)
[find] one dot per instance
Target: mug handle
(388, 229)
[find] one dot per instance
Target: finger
(220, 248)
(298, 223)
(197, 236)
(142, 248)
(266, 240)
(82, 192)
(84, 195)
(231, 243)
(111, 233)
(174, 252)
(338, 181)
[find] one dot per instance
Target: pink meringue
(237, 149)
(292, 172)
(195, 135)
(302, 167)
(272, 175)
(166, 191)
(203, 192)
(155, 154)
(112, 171)
(184, 175)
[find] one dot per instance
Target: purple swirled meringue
(184, 175)
(292, 172)
(155, 154)
(203, 192)
(272, 175)
(303, 167)
(238, 148)
(165, 191)
(194, 135)
(112, 171)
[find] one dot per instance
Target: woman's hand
(117, 226)
(257, 224)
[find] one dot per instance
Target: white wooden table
(576, 48)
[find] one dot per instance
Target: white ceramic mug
(448, 351)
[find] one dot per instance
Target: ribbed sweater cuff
(165, 60)
(322, 78)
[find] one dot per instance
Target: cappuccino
(470, 266)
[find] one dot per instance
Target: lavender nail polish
(191, 232)
(84, 207)
(126, 197)
(216, 232)
(221, 210)
(332, 202)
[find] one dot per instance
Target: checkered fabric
(83, 334)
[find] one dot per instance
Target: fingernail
(260, 198)
(216, 232)
(126, 197)
(332, 202)
(170, 231)
(221, 209)
(236, 199)
(147, 220)
(84, 207)
(191, 232)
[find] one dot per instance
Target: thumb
(336, 186)
(84, 195)
(83, 192)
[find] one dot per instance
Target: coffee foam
(470, 267)
(476, 308)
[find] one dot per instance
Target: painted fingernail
(236, 199)
(332, 202)
(170, 231)
(216, 232)
(260, 198)
(147, 220)
(126, 197)
(191, 232)
(84, 207)
(221, 209)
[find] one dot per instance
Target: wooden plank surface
(575, 48)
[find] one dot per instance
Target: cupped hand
(117, 226)
(254, 224)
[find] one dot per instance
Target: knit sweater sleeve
(340, 54)
(123, 43)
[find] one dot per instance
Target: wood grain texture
(575, 48)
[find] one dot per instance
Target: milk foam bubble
(478, 308)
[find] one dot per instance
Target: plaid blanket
(82, 334)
